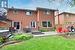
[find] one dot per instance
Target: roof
(20, 9)
(67, 13)
(38, 8)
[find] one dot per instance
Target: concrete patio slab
(46, 34)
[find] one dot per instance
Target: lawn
(43, 43)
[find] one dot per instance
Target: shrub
(1, 40)
(21, 37)
(43, 30)
(70, 33)
(53, 29)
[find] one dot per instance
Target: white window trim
(32, 24)
(2, 4)
(16, 21)
(28, 13)
(47, 24)
(47, 12)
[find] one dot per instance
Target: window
(33, 24)
(17, 25)
(49, 24)
(15, 12)
(47, 12)
(3, 4)
(67, 15)
(46, 24)
(68, 22)
(28, 13)
(74, 22)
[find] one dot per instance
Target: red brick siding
(45, 17)
(26, 20)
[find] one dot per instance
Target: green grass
(43, 43)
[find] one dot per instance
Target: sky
(62, 5)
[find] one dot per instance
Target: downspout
(58, 20)
(57, 16)
(38, 19)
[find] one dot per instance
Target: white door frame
(19, 24)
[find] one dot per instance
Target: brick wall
(66, 19)
(25, 20)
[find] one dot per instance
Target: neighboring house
(4, 22)
(41, 18)
(65, 19)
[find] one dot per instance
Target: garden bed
(69, 35)
(14, 39)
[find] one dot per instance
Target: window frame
(15, 12)
(47, 24)
(32, 24)
(28, 13)
(15, 24)
(47, 12)
(67, 15)
(43, 23)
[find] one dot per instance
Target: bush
(70, 33)
(53, 29)
(1, 40)
(43, 30)
(21, 37)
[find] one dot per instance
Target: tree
(67, 2)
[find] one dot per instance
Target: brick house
(65, 19)
(41, 18)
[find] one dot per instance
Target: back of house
(41, 18)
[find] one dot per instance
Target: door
(17, 25)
